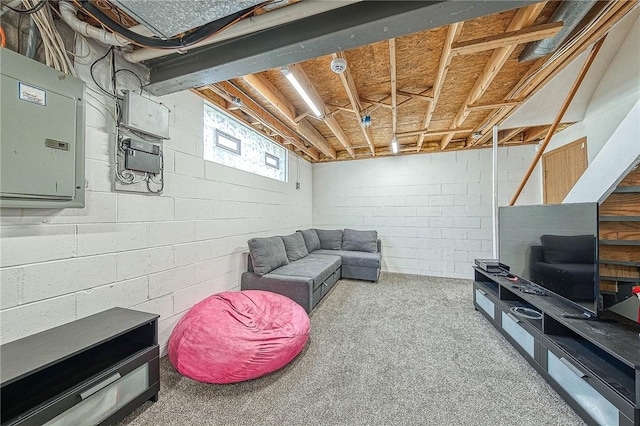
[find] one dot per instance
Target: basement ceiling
(438, 84)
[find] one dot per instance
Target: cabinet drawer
(98, 398)
(511, 325)
(485, 303)
(570, 378)
(105, 398)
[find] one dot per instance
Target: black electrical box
(142, 156)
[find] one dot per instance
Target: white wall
(614, 161)
(432, 212)
(158, 254)
(616, 94)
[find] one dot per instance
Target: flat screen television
(556, 247)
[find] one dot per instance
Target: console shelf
(594, 365)
(94, 370)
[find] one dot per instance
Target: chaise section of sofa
(305, 265)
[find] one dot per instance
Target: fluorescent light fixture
(296, 85)
(394, 145)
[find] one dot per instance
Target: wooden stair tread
(620, 242)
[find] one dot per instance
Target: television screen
(554, 246)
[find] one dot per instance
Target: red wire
(3, 43)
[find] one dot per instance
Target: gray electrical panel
(42, 129)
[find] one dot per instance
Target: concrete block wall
(158, 254)
(432, 212)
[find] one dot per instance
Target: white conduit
(68, 14)
(496, 218)
(256, 23)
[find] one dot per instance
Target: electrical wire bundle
(54, 50)
(178, 42)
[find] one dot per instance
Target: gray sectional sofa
(306, 264)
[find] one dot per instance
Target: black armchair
(565, 265)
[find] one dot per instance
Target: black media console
(95, 370)
(594, 365)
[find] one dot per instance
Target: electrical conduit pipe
(246, 26)
(68, 13)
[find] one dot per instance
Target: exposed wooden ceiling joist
(352, 93)
(261, 85)
(510, 38)
(415, 79)
(505, 136)
(524, 17)
(533, 133)
(426, 133)
(443, 67)
(494, 105)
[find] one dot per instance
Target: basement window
(271, 160)
(230, 142)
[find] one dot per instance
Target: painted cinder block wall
(432, 212)
(159, 254)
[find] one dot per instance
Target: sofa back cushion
(366, 241)
(568, 249)
(267, 254)
(330, 239)
(295, 246)
(311, 239)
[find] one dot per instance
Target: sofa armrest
(536, 255)
(299, 289)
(379, 243)
(249, 263)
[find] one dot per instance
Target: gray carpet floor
(408, 350)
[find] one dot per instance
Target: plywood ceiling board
(523, 17)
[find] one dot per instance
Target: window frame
(268, 156)
(257, 153)
(227, 136)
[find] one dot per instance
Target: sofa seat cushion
(318, 268)
(353, 258)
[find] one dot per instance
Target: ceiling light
(394, 145)
(296, 85)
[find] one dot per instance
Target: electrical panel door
(41, 135)
(38, 143)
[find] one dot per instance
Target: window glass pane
(271, 160)
(230, 142)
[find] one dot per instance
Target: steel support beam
(340, 29)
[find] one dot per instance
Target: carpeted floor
(408, 350)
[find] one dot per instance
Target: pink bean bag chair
(238, 335)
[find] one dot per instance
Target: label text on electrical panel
(32, 94)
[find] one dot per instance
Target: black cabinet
(95, 370)
(594, 365)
